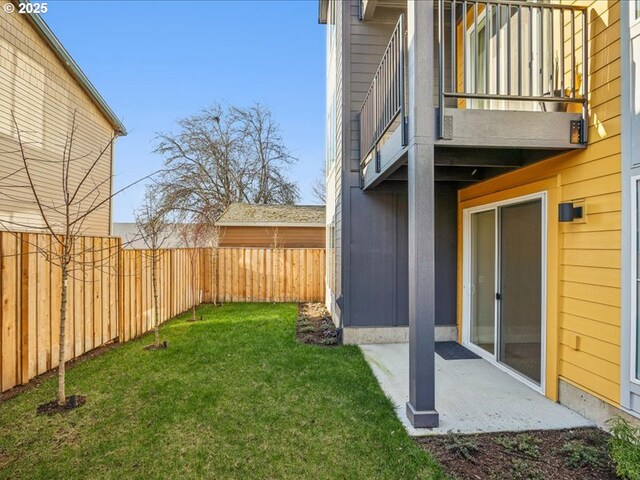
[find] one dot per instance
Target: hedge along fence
(111, 295)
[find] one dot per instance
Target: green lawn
(235, 396)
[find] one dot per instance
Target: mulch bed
(51, 408)
(558, 454)
(36, 381)
(315, 326)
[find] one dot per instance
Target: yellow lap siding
(606, 277)
(585, 379)
(593, 328)
(591, 258)
(591, 310)
(592, 240)
(583, 264)
(604, 350)
(598, 293)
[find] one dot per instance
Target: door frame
(466, 282)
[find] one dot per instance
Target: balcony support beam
(368, 9)
(421, 410)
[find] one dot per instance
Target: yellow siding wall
(583, 284)
(42, 95)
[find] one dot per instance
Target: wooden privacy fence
(30, 314)
(111, 297)
(221, 275)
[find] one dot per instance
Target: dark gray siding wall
(446, 204)
(378, 257)
(379, 260)
(371, 225)
(374, 224)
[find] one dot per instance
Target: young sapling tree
(83, 190)
(154, 228)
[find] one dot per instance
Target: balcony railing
(503, 55)
(384, 102)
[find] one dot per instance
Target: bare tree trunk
(62, 398)
(193, 284)
(215, 277)
(154, 284)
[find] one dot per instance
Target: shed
(288, 226)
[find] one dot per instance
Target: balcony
(383, 119)
(510, 79)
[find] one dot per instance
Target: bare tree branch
(221, 156)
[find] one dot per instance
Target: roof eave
(76, 72)
(323, 9)
(270, 224)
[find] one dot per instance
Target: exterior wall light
(568, 212)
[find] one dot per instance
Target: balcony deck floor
(472, 396)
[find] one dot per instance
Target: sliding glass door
(505, 275)
(483, 273)
(520, 292)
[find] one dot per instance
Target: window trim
(634, 374)
(634, 17)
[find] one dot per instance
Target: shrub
(523, 443)
(624, 446)
(523, 470)
(462, 446)
(578, 454)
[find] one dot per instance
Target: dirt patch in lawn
(35, 381)
(535, 455)
(161, 346)
(51, 408)
(315, 326)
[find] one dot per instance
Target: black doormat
(454, 351)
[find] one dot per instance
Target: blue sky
(158, 61)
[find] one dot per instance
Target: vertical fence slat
(9, 320)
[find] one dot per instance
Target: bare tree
(63, 214)
(154, 228)
(221, 156)
(319, 186)
(194, 235)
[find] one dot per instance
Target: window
(331, 257)
(7, 61)
(635, 346)
(332, 86)
(476, 62)
(637, 9)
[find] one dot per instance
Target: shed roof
(244, 214)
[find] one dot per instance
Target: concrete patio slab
(472, 396)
